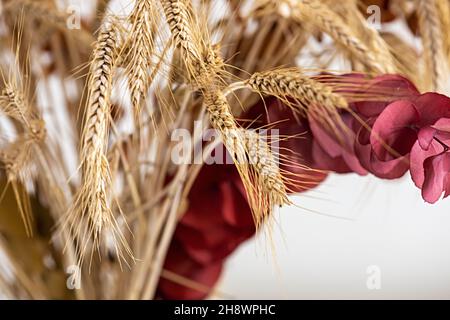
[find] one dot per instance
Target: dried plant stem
(326, 20)
(91, 214)
(156, 266)
(433, 44)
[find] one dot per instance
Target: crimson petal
(436, 172)
(393, 128)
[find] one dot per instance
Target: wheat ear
(291, 83)
(15, 160)
(141, 50)
(91, 215)
(326, 20)
(202, 60)
(252, 157)
(433, 44)
(266, 165)
(310, 96)
(14, 104)
(179, 17)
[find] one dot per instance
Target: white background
(323, 257)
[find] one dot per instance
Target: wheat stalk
(16, 156)
(433, 44)
(91, 214)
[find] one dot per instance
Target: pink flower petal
(393, 128)
(329, 154)
(442, 125)
(436, 172)
(392, 169)
(417, 159)
(447, 185)
(328, 143)
(324, 161)
(432, 107)
(394, 87)
(426, 136)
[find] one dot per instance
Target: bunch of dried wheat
(87, 115)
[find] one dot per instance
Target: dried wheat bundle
(90, 166)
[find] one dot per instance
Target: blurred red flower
(180, 263)
(430, 157)
(218, 219)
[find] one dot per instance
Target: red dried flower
(430, 157)
(180, 263)
(383, 150)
